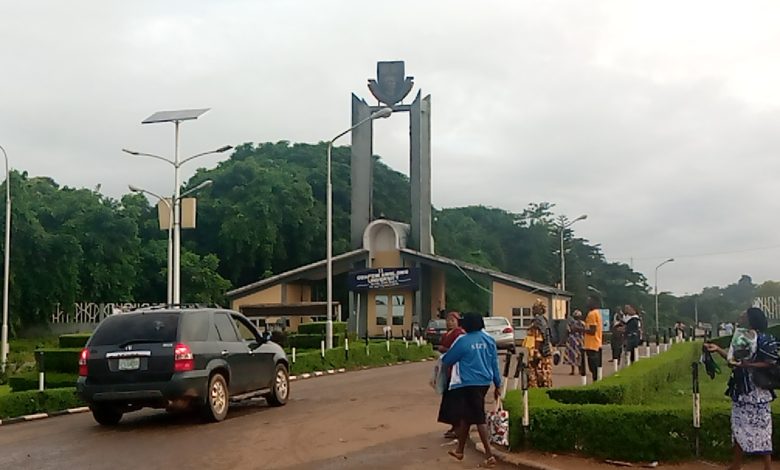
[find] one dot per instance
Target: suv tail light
(182, 358)
(430, 331)
(83, 362)
(508, 329)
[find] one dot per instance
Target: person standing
(539, 345)
(618, 337)
(574, 330)
(453, 332)
(474, 361)
(593, 334)
(633, 331)
(751, 415)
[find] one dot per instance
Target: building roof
(309, 271)
(493, 274)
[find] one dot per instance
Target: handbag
(498, 425)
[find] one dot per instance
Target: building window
(398, 309)
(380, 302)
(522, 318)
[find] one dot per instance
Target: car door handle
(225, 352)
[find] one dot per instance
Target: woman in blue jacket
(474, 361)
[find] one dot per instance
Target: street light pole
(382, 113)
(170, 206)
(176, 221)
(564, 225)
(6, 264)
(656, 290)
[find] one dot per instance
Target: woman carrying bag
(752, 354)
(453, 332)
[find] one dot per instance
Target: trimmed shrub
(76, 340)
(378, 355)
(61, 360)
(29, 381)
(25, 403)
(280, 338)
(318, 328)
(311, 341)
(634, 384)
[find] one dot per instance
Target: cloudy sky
(658, 119)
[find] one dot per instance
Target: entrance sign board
(384, 278)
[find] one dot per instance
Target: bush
(311, 341)
(280, 338)
(29, 381)
(635, 384)
(61, 360)
(318, 328)
(25, 403)
(76, 340)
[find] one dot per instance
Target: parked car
(501, 331)
(197, 359)
(435, 330)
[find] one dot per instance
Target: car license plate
(131, 363)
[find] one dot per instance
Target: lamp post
(382, 113)
(165, 201)
(6, 264)
(564, 225)
(656, 289)
(176, 117)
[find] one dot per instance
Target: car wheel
(281, 387)
(217, 399)
(106, 415)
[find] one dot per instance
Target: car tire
(217, 399)
(106, 415)
(280, 389)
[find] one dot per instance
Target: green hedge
(622, 432)
(25, 403)
(311, 341)
(61, 360)
(633, 385)
(76, 340)
(318, 328)
(377, 354)
(29, 381)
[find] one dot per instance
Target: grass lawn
(4, 390)
(680, 392)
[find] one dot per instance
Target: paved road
(381, 419)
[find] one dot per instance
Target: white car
(501, 331)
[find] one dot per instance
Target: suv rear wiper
(135, 341)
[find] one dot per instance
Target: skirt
(465, 404)
(751, 427)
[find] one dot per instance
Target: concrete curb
(510, 458)
(37, 416)
(324, 373)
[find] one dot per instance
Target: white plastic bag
(439, 380)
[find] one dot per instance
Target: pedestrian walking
(454, 330)
(633, 331)
(751, 416)
(474, 361)
(593, 335)
(574, 341)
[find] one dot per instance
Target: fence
(92, 312)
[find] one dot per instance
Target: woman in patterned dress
(574, 334)
(751, 416)
(537, 341)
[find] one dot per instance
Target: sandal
(489, 462)
(456, 455)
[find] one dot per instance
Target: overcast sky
(658, 119)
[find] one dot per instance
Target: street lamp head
(223, 149)
(131, 152)
(582, 217)
(382, 113)
(670, 260)
(134, 189)
(203, 185)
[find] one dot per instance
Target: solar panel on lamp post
(176, 117)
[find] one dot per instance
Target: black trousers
(594, 362)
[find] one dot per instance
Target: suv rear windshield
(154, 327)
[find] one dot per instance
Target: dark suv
(179, 359)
